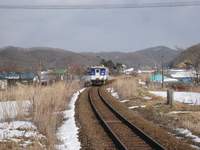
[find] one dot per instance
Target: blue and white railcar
(98, 75)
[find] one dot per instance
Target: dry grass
(193, 88)
(191, 122)
(46, 104)
(156, 109)
(126, 87)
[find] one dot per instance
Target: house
(157, 79)
(128, 71)
(43, 71)
(14, 79)
(48, 76)
(166, 81)
(60, 71)
(152, 79)
(3, 82)
(184, 76)
(46, 79)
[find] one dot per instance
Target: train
(98, 75)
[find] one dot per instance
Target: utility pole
(162, 72)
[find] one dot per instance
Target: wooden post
(162, 73)
(170, 97)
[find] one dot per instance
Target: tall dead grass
(48, 105)
(15, 102)
(127, 88)
(192, 122)
(45, 106)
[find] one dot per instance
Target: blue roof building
(22, 78)
(156, 77)
(2, 77)
(19, 76)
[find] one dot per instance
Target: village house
(3, 82)
(184, 76)
(26, 79)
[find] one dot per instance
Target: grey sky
(97, 30)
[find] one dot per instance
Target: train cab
(98, 75)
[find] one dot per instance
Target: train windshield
(92, 70)
(103, 70)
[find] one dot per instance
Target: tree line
(111, 65)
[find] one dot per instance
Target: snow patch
(16, 130)
(179, 112)
(189, 134)
(113, 93)
(9, 109)
(132, 107)
(123, 101)
(184, 97)
(68, 131)
(147, 97)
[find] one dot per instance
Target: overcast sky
(95, 30)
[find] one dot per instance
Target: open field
(33, 109)
(41, 110)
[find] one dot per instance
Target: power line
(113, 6)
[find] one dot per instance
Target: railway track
(123, 133)
(94, 135)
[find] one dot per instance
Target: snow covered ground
(190, 98)
(67, 133)
(23, 130)
(19, 131)
(184, 97)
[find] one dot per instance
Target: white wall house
(3, 83)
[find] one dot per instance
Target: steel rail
(118, 143)
(135, 129)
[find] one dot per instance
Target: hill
(189, 58)
(156, 53)
(146, 58)
(28, 59)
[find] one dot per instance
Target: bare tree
(80, 72)
(179, 48)
(192, 59)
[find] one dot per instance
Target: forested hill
(143, 58)
(189, 58)
(29, 59)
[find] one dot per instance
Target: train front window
(97, 70)
(103, 70)
(92, 70)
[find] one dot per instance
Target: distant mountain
(142, 59)
(28, 59)
(156, 53)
